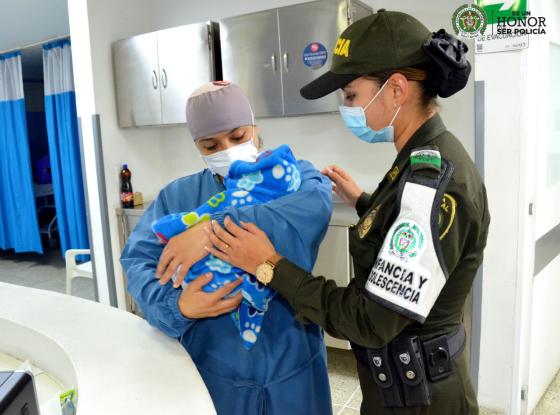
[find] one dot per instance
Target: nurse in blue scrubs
(285, 373)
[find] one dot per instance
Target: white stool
(74, 270)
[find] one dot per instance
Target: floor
(45, 271)
(345, 388)
(48, 272)
(347, 396)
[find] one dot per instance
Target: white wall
(158, 155)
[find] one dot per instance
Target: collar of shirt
(432, 128)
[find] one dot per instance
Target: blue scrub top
(285, 372)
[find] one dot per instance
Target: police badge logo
(405, 358)
(366, 224)
(407, 241)
(377, 361)
(469, 21)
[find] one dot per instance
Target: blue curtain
(64, 145)
(19, 229)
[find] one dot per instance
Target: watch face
(264, 273)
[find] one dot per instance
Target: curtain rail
(35, 44)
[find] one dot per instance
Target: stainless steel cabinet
(156, 72)
(251, 59)
(137, 80)
(267, 53)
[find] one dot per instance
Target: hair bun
(451, 67)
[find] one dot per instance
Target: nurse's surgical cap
(216, 107)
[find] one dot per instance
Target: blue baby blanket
(274, 174)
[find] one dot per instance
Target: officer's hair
(420, 73)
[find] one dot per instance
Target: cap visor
(325, 84)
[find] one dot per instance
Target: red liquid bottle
(127, 195)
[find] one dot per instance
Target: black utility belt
(402, 368)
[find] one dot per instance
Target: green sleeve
(461, 224)
(343, 312)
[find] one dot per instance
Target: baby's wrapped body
(273, 175)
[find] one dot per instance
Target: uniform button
(382, 377)
(410, 375)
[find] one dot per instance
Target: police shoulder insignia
(365, 225)
(393, 174)
(446, 214)
(425, 158)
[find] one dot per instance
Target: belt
(455, 340)
(402, 368)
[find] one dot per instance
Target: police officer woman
(420, 235)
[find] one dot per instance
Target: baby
(274, 174)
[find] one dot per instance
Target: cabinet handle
(154, 79)
(286, 61)
(164, 78)
(273, 62)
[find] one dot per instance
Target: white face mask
(220, 162)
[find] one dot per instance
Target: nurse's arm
(295, 223)
(159, 303)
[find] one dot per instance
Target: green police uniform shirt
(347, 312)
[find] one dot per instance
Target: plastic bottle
(127, 194)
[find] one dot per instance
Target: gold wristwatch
(265, 271)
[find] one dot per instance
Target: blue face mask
(355, 120)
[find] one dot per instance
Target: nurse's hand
(244, 247)
(345, 186)
(183, 251)
(195, 303)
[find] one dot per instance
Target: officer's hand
(183, 251)
(195, 303)
(344, 185)
(244, 246)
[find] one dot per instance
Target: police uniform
(416, 249)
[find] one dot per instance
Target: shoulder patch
(365, 225)
(446, 214)
(425, 158)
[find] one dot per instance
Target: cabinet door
(184, 64)
(308, 34)
(250, 58)
(136, 70)
(334, 263)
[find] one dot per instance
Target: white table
(119, 364)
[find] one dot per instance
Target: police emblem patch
(407, 240)
(365, 226)
(446, 215)
(405, 358)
